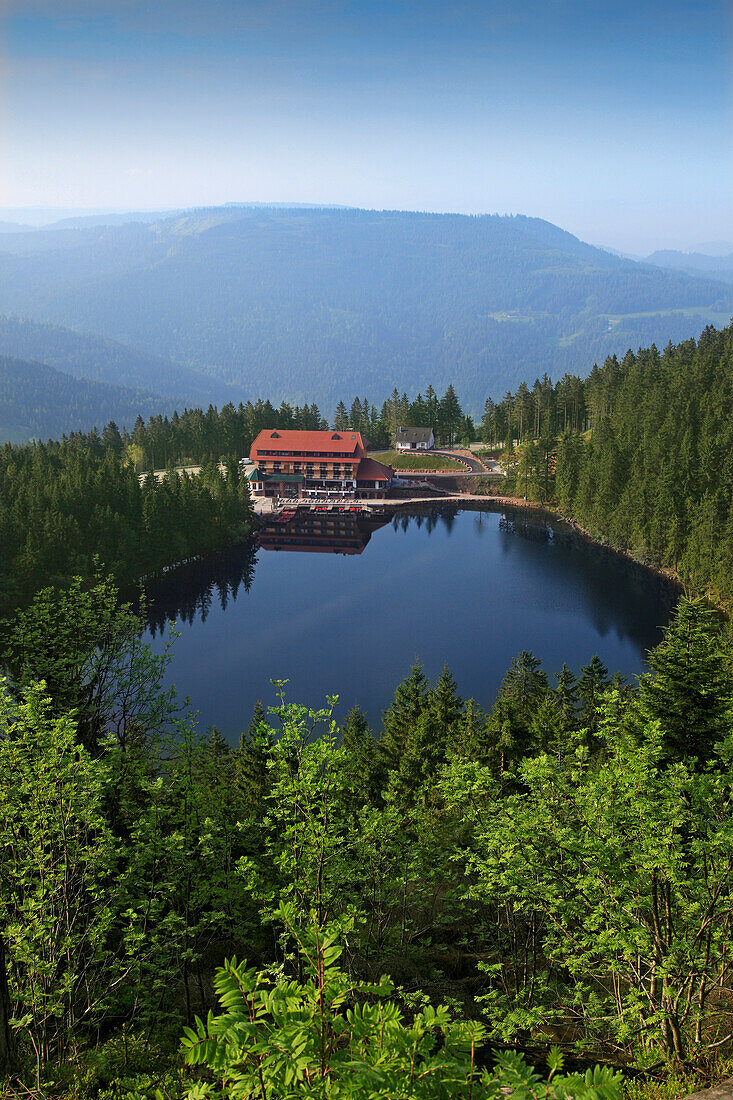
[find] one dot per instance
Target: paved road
(160, 474)
(476, 467)
(473, 463)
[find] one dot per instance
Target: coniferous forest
(37, 401)
(92, 498)
(424, 909)
(68, 508)
(640, 453)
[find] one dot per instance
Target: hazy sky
(611, 119)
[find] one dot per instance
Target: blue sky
(610, 119)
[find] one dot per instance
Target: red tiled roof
(371, 470)
(331, 442)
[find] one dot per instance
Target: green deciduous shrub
(328, 1036)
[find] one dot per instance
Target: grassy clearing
(423, 461)
(712, 316)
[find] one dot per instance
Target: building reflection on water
(613, 586)
(189, 592)
(321, 532)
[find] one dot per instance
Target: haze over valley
(307, 304)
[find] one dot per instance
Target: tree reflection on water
(188, 593)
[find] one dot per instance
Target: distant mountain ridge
(695, 263)
(318, 304)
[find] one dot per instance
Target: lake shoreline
(467, 584)
(479, 501)
(669, 575)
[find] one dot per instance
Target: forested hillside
(38, 401)
(195, 434)
(656, 474)
(645, 458)
(300, 304)
(416, 903)
(101, 360)
(69, 508)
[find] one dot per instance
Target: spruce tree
(111, 438)
(250, 766)
(524, 684)
(217, 747)
(450, 415)
(425, 745)
(548, 728)
(566, 694)
(407, 706)
(341, 419)
(444, 703)
(691, 692)
(432, 409)
(470, 735)
(522, 690)
(359, 750)
(592, 683)
(422, 755)
(567, 472)
(488, 422)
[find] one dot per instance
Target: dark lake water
(347, 608)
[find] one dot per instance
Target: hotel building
(315, 464)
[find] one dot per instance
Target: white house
(414, 439)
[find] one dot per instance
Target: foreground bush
(327, 1036)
